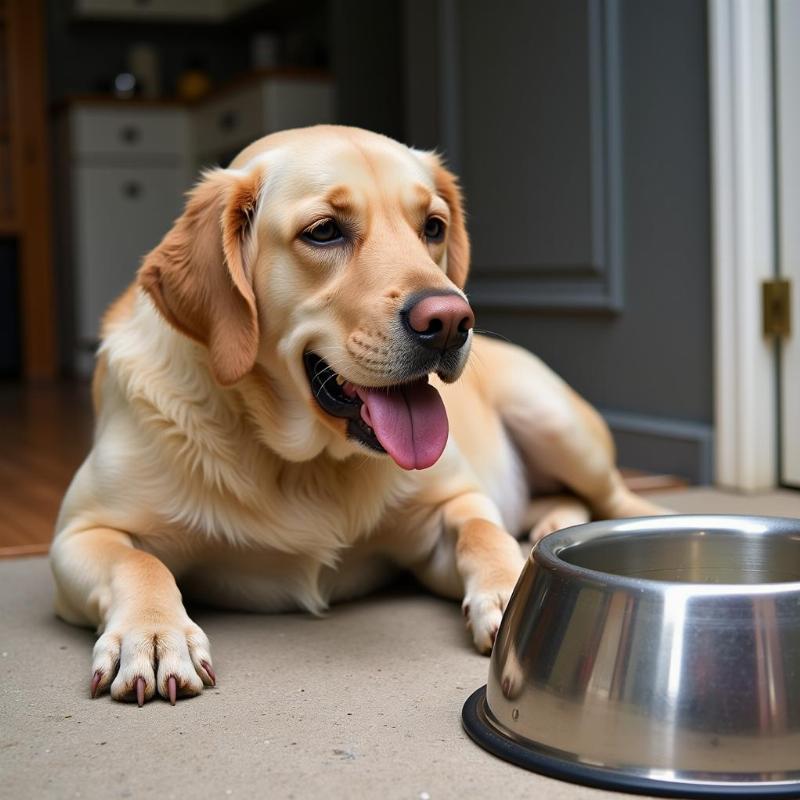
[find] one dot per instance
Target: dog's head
(332, 262)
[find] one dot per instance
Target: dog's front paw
(141, 657)
(483, 612)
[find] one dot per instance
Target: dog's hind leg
(554, 512)
(562, 438)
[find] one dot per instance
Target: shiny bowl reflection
(657, 654)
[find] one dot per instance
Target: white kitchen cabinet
(127, 169)
(120, 213)
(123, 132)
(126, 166)
(229, 121)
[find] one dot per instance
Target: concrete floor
(365, 703)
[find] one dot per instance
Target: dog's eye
(325, 232)
(434, 229)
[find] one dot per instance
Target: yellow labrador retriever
(287, 414)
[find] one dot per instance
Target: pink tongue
(409, 421)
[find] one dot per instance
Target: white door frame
(743, 238)
(786, 27)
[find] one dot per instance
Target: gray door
(580, 130)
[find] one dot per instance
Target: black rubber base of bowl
(489, 738)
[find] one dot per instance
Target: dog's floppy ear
(198, 277)
(448, 189)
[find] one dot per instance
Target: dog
(292, 405)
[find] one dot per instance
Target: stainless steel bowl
(659, 655)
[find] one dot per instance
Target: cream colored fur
(212, 464)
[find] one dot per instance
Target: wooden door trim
(33, 189)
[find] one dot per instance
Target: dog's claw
(140, 684)
(211, 674)
(172, 689)
(96, 678)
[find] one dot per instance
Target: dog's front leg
(148, 643)
(476, 559)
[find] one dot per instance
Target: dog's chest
(313, 510)
(308, 543)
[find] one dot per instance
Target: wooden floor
(45, 432)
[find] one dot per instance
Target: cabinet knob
(132, 189)
(228, 120)
(130, 134)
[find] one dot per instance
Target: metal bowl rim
(547, 551)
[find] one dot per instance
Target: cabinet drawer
(124, 132)
(230, 122)
(119, 215)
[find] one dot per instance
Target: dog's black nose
(439, 321)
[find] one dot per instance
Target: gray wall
(649, 363)
(367, 63)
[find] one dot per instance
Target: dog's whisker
(321, 373)
(475, 356)
(492, 334)
(362, 462)
(327, 380)
(381, 369)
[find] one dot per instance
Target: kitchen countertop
(108, 100)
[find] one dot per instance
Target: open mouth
(407, 421)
